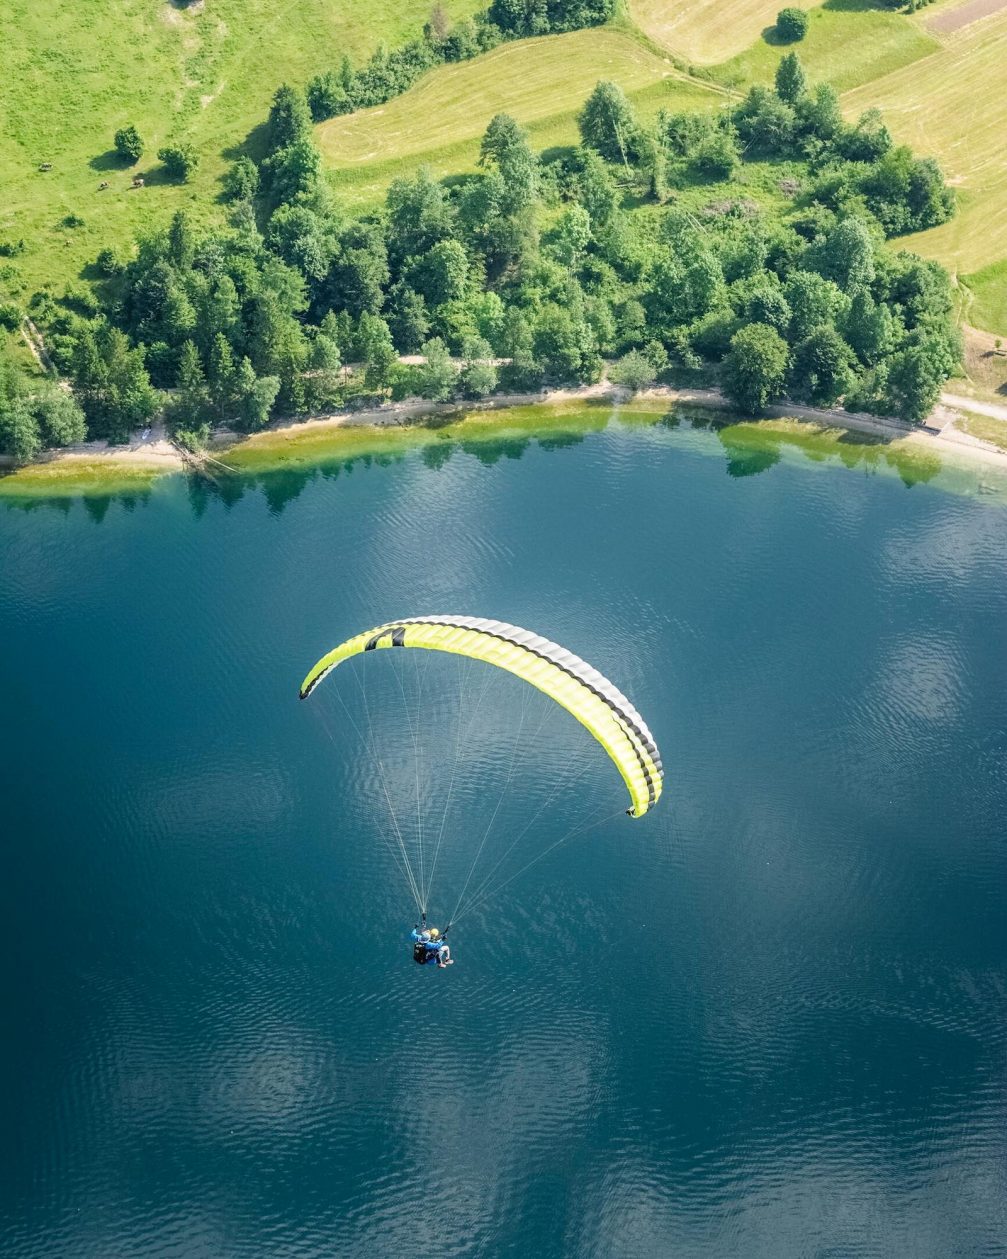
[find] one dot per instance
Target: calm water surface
(767, 1020)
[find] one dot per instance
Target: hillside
(203, 73)
(950, 105)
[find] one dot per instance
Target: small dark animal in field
(137, 181)
(103, 185)
(45, 165)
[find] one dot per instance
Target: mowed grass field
(73, 73)
(953, 105)
(848, 43)
(541, 82)
(707, 31)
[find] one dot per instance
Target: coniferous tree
(791, 83)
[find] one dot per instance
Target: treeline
(390, 73)
(534, 271)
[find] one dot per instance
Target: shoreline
(151, 455)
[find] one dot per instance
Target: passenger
(430, 946)
(439, 948)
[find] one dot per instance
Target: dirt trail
(993, 409)
(964, 15)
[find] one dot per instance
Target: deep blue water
(766, 1020)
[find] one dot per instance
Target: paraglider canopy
(565, 678)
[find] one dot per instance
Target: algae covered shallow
(751, 446)
(283, 460)
(78, 477)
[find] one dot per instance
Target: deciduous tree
(791, 83)
(128, 144)
(607, 122)
(755, 368)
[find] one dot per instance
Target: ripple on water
(767, 1020)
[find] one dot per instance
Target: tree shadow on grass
(155, 177)
(255, 145)
(111, 159)
(857, 6)
(556, 153)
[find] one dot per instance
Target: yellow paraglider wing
(564, 677)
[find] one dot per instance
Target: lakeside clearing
(95, 468)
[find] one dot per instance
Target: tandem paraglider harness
(427, 951)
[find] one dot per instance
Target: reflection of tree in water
(492, 452)
(917, 469)
(436, 455)
(748, 461)
(35, 504)
(279, 489)
(751, 449)
(95, 506)
(560, 441)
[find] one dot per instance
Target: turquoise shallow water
(767, 1020)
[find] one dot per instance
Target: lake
(767, 1019)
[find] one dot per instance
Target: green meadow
(74, 73)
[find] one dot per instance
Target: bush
(634, 371)
(41, 305)
(10, 316)
(128, 144)
(194, 439)
(180, 161)
(80, 299)
(108, 265)
(791, 25)
(327, 96)
(715, 157)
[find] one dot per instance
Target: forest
(630, 250)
